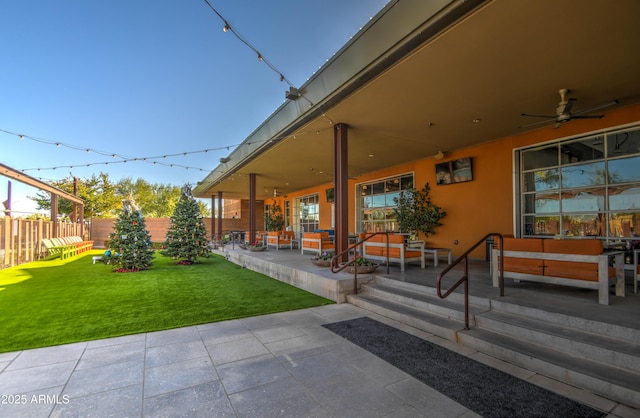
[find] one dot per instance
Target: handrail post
(388, 248)
(465, 278)
(334, 260)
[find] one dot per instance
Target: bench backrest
(396, 246)
(523, 265)
(570, 269)
(323, 236)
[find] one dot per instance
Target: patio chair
(316, 242)
(280, 239)
(57, 248)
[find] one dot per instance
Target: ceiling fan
(564, 114)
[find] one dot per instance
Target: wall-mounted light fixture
(292, 94)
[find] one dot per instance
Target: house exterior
(435, 92)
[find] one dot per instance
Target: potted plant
(256, 246)
(322, 260)
(362, 265)
(416, 213)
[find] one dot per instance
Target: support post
(252, 207)
(213, 218)
(341, 182)
(219, 215)
(54, 215)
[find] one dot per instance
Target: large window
(375, 203)
(582, 187)
(306, 213)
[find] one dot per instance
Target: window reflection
(583, 225)
(583, 175)
(542, 203)
(541, 180)
(542, 225)
(624, 170)
(623, 143)
(539, 158)
(583, 200)
(584, 187)
(624, 225)
(376, 203)
(624, 198)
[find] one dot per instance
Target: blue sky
(143, 78)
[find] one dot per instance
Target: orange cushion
(523, 265)
(570, 269)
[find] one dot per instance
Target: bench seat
(576, 263)
(376, 249)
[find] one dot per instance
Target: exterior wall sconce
(292, 94)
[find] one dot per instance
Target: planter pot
(256, 249)
(321, 263)
(363, 269)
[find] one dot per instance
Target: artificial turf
(53, 302)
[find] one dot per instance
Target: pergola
(78, 204)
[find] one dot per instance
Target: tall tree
(187, 234)
(102, 197)
(98, 193)
(130, 242)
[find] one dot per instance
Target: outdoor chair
(58, 249)
(317, 242)
(280, 239)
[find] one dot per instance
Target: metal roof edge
(395, 31)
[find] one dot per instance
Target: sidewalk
(283, 364)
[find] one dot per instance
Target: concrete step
(602, 328)
(596, 356)
(615, 352)
(418, 318)
(422, 300)
(428, 290)
(603, 379)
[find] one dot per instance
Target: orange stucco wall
(485, 204)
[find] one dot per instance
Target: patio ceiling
(500, 60)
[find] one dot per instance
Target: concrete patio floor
(283, 364)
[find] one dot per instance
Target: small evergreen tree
(416, 213)
(130, 243)
(274, 220)
(187, 234)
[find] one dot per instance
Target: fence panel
(21, 239)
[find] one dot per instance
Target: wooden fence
(21, 239)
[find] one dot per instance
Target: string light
(151, 159)
(228, 28)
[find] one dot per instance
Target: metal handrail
(465, 278)
(336, 268)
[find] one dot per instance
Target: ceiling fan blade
(593, 109)
(542, 122)
(587, 117)
(539, 116)
(568, 106)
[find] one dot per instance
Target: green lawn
(55, 302)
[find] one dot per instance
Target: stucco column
(341, 184)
